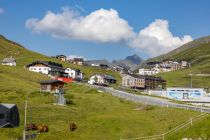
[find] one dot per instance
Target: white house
(9, 61)
(101, 79)
(74, 73)
(40, 67)
(147, 72)
(95, 65)
(43, 67)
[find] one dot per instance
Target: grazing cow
(42, 128)
(72, 126)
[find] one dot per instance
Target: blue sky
(145, 27)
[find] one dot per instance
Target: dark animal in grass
(42, 128)
(72, 126)
(31, 126)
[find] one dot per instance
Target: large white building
(43, 67)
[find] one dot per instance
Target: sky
(104, 29)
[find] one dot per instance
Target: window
(128, 83)
(44, 87)
(2, 115)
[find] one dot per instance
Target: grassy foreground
(97, 115)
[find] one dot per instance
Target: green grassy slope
(24, 57)
(185, 47)
(199, 130)
(97, 115)
(199, 57)
(200, 64)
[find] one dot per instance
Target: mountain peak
(134, 59)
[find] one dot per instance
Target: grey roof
(60, 56)
(46, 63)
(51, 82)
(8, 60)
(136, 76)
(77, 70)
(109, 77)
(8, 105)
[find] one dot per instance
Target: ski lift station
(9, 115)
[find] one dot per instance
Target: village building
(147, 72)
(61, 57)
(104, 66)
(77, 61)
(143, 82)
(167, 66)
(51, 85)
(9, 115)
(133, 81)
(9, 61)
(121, 69)
(185, 64)
(154, 83)
(74, 73)
(102, 79)
(95, 65)
(47, 67)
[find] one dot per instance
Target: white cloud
(106, 26)
(100, 26)
(1, 10)
(157, 39)
(70, 57)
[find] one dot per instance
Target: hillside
(175, 53)
(23, 56)
(197, 53)
(106, 116)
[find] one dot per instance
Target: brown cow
(42, 128)
(72, 126)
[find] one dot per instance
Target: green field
(182, 78)
(199, 58)
(97, 115)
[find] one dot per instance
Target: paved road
(150, 100)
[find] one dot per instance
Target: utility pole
(24, 131)
(190, 80)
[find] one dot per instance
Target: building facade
(133, 81)
(9, 61)
(101, 79)
(147, 72)
(74, 73)
(61, 57)
(77, 61)
(51, 85)
(47, 67)
(155, 83)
